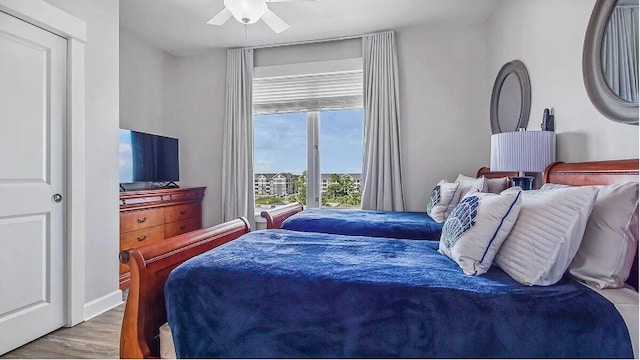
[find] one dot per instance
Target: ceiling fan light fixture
(246, 11)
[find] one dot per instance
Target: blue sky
(126, 156)
(280, 142)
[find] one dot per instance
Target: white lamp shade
(246, 11)
(526, 151)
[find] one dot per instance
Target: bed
(349, 295)
(395, 224)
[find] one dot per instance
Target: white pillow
(469, 184)
(441, 201)
(497, 185)
(476, 228)
(547, 234)
(610, 239)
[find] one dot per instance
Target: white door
(32, 170)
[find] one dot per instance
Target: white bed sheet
(626, 302)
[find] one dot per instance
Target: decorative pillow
(498, 185)
(441, 201)
(610, 239)
(469, 184)
(547, 234)
(476, 228)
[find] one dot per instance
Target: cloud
(280, 142)
(124, 148)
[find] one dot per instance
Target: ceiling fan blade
(220, 18)
(286, 0)
(274, 21)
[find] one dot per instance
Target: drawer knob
(142, 238)
(182, 212)
(183, 227)
(140, 221)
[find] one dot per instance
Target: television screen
(147, 157)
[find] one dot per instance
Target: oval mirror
(511, 98)
(610, 59)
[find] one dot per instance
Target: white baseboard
(100, 305)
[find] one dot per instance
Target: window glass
(279, 156)
(341, 157)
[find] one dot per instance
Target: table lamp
(523, 151)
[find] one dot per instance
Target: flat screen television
(147, 157)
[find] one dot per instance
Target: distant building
(326, 180)
(283, 184)
(278, 184)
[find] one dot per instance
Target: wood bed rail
(275, 217)
(150, 265)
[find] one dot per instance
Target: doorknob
(56, 198)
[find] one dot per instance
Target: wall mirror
(511, 98)
(610, 59)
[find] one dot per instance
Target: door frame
(52, 19)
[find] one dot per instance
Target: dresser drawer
(181, 227)
(181, 212)
(142, 219)
(134, 239)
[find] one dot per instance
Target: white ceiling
(179, 26)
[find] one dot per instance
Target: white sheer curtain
(620, 52)
(237, 152)
(382, 189)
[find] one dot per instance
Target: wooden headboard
(597, 173)
(486, 172)
(592, 173)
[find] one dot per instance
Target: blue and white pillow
(441, 202)
(477, 227)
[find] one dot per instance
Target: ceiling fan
(250, 11)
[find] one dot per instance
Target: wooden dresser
(147, 216)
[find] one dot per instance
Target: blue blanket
(278, 293)
(401, 225)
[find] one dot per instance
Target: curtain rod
(305, 42)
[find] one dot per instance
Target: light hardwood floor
(96, 338)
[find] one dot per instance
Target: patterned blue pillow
(462, 218)
(434, 199)
(441, 201)
(477, 227)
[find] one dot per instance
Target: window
(308, 137)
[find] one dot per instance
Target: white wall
(444, 106)
(304, 53)
(547, 36)
(195, 100)
(101, 142)
(142, 86)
